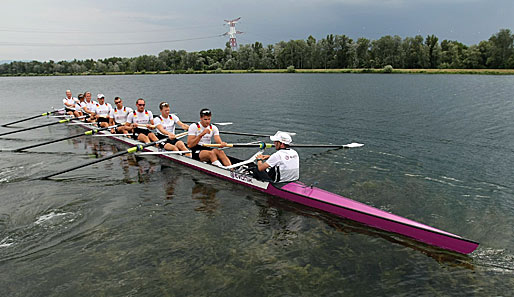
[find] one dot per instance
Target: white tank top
(167, 123)
(120, 115)
(103, 110)
(196, 129)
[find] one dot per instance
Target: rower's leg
(152, 137)
(143, 138)
(170, 147)
(207, 156)
(222, 157)
(182, 147)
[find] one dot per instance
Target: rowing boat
(319, 199)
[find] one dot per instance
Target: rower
(79, 106)
(202, 133)
(118, 115)
(284, 164)
(141, 121)
(90, 106)
(165, 124)
(102, 111)
(69, 103)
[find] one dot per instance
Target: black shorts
(197, 149)
(102, 120)
(138, 131)
(170, 141)
(67, 109)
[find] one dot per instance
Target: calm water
(438, 149)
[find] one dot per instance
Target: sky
(94, 29)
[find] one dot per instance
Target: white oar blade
(353, 144)
(224, 124)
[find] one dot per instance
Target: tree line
(331, 52)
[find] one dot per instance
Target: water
(438, 149)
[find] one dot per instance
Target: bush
(291, 69)
(388, 69)
(190, 71)
(218, 70)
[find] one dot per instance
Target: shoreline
(355, 71)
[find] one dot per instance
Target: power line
(32, 30)
(103, 44)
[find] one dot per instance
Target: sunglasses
(141, 104)
(206, 112)
(116, 102)
(164, 105)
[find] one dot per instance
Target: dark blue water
(438, 149)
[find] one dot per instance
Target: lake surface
(438, 149)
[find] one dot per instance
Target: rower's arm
(162, 130)
(261, 165)
(184, 126)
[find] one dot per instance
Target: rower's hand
(113, 131)
(134, 125)
(223, 144)
(172, 136)
(261, 156)
(205, 131)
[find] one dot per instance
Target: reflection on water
(206, 195)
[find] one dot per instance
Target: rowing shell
(324, 201)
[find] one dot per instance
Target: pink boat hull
(362, 213)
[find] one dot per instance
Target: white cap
(100, 96)
(283, 137)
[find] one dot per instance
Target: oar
(90, 132)
(33, 117)
(219, 124)
(263, 145)
(44, 125)
(252, 134)
(131, 150)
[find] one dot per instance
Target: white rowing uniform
(197, 129)
(167, 123)
(142, 118)
(71, 100)
(102, 110)
(91, 105)
(286, 163)
(79, 106)
(120, 115)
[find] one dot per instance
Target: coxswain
(69, 103)
(119, 115)
(102, 110)
(90, 106)
(141, 120)
(281, 166)
(202, 133)
(165, 125)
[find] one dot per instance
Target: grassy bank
(290, 70)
